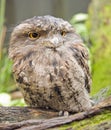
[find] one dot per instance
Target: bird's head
(47, 31)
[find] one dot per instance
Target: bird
(51, 64)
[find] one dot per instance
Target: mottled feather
(50, 64)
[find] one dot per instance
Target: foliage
(6, 79)
(2, 13)
(78, 21)
(99, 27)
(5, 100)
(7, 83)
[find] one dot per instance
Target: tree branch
(42, 124)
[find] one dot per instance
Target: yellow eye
(63, 33)
(33, 35)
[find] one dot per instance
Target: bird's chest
(50, 70)
(42, 71)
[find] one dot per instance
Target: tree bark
(18, 118)
(17, 114)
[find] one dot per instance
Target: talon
(63, 113)
(60, 113)
(66, 113)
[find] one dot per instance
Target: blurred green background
(92, 20)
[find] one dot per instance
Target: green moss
(88, 123)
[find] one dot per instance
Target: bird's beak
(56, 41)
(53, 42)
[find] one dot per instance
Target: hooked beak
(54, 42)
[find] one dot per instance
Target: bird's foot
(63, 113)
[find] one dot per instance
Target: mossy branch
(33, 123)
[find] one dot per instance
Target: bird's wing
(80, 52)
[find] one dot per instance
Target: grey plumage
(50, 64)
